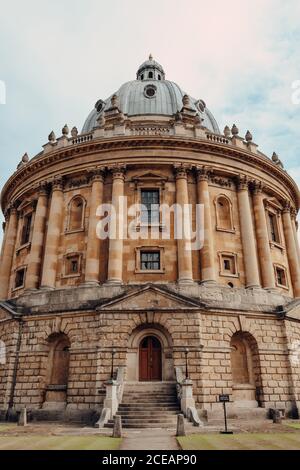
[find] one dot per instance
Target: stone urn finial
(248, 136)
(277, 160)
(25, 158)
(150, 56)
(114, 101)
(227, 132)
(51, 137)
(65, 130)
(74, 132)
(186, 100)
(234, 130)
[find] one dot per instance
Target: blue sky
(57, 58)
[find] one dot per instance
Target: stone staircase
(148, 405)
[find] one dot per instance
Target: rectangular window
(20, 277)
(150, 203)
(281, 277)
(72, 265)
(273, 222)
(228, 264)
(150, 260)
(26, 229)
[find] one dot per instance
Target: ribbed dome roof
(151, 96)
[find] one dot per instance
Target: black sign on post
(224, 399)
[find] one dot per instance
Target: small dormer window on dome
(150, 70)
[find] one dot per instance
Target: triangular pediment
(150, 298)
(150, 176)
(5, 313)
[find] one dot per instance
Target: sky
(58, 58)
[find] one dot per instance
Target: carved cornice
(159, 142)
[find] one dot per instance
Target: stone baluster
(291, 248)
(115, 254)
(55, 219)
(247, 235)
(184, 254)
(37, 241)
(207, 257)
(92, 267)
(8, 250)
(262, 238)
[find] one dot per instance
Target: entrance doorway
(150, 359)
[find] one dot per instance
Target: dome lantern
(150, 70)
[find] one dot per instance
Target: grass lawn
(35, 442)
(245, 441)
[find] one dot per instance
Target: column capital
(57, 183)
(118, 171)
(43, 188)
(96, 174)
(294, 213)
(287, 208)
(258, 187)
(203, 173)
(181, 170)
(242, 182)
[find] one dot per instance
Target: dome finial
(150, 56)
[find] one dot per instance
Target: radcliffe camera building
(77, 311)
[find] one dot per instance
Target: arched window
(245, 368)
(59, 359)
(57, 369)
(224, 213)
(76, 213)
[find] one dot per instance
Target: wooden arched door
(150, 359)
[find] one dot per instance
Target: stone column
(55, 218)
(247, 235)
(262, 238)
(37, 242)
(92, 266)
(294, 223)
(115, 254)
(8, 252)
(184, 254)
(291, 248)
(207, 257)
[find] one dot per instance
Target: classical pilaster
(296, 236)
(207, 258)
(184, 254)
(247, 234)
(92, 266)
(37, 242)
(55, 219)
(115, 254)
(262, 239)
(291, 248)
(8, 250)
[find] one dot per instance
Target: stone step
(144, 425)
(137, 408)
(142, 414)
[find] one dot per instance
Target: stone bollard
(180, 426)
(23, 417)
(117, 432)
(276, 417)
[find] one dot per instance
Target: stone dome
(151, 94)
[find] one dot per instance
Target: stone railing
(185, 397)
(219, 139)
(82, 138)
(113, 397)
(150, 130)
